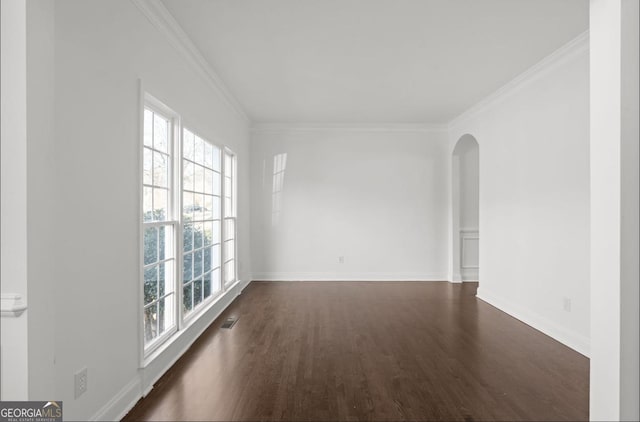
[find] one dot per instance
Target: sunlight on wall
(279, 166)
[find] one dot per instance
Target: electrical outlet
(567, 304)
(341, 260)
(80, 382)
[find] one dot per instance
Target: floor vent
(229, 322)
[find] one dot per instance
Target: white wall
(374, 196)
(13, 126)
(614, 377)
(85, 179)
(534, 195)
(41, 196)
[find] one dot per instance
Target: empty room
(320, 210)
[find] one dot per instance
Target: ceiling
(373, 61)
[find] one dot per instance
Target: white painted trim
(328, 276)
(470, 274)
(567, 52)
(161, 18)
(120, 404)
(577, 342)
(348, 127)
(466, 235)
(12, 305)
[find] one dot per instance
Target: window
(201, 220)
(158, 228)
(229, 255)
(188, 223)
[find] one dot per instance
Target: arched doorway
(465, 210)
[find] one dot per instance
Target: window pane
(229, 251)
(197, 235)
(187, 299)
(187, 237)
(162, 279)
(187, 145)
(148, 128)
(206, 288)
(215, 232)
(147, 204)
(216, 159)
(160, 133)
(209, 209)
(162, 243)
(187, 183)
(150, 285)
(198, 179)
(208, 155)
(147, 166)
(150, 323)
(197, 292)
(229, 229)
(197, 264)
(215, 280)
(160, 203)
(198, 206)
(227, 207)
(215, 256)
(206, 260)
(208, 233)
(227, 187)
(215, 183)
(229, 271)
(227, 165)
(166, 319)
(150, 245)
(208, 180)
(187, 203)
(187, 268)
(215, 207)
(198, 151)
(160, 169)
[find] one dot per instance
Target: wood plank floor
(329, 351)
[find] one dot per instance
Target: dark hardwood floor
(334, 351)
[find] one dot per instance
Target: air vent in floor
(229, 322)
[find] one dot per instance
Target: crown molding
(163, 20)
(567, 52)
(348, 127)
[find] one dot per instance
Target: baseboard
(121, 403)
(570, 339)
(469, 274)
(363, 276)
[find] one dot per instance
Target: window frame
(157, 107)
